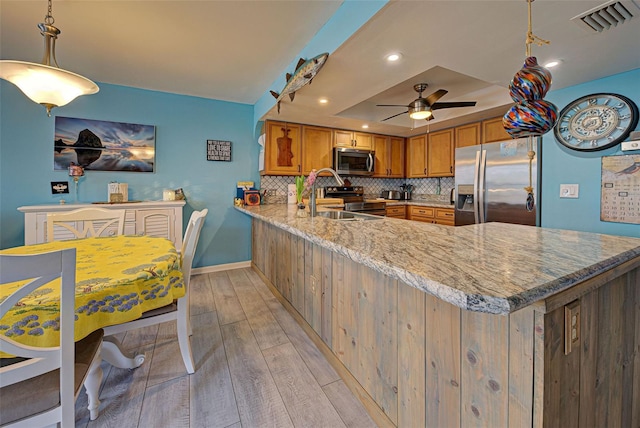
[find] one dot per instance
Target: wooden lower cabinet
(415, 360)
(444, 216)
(397, 211)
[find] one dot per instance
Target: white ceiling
(236, 50)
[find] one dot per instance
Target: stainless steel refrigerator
(490, 183)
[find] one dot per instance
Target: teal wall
(183, 124)
(561, 165)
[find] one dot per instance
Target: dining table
(118, 278)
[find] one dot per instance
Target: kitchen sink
(348, 216)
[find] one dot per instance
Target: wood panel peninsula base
(531, 333)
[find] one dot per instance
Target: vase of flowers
(303, 186)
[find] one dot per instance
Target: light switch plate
(630, 145)
(571, 326)
(569, 190)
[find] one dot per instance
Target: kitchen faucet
(312, 197)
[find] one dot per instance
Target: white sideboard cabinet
(154, 218)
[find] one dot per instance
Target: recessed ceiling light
(365, 126)
(394, 57)
(554, 63)
(323, 100)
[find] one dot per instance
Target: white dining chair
(38, 386)
(84, 223)
(179, 309)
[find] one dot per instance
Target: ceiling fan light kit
(46, 83)
(422, 108)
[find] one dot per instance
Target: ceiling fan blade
(431, 99)
(438, 106)
(391, 117)
(430, 118)
(391, 105)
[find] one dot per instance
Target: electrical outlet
(571, 326)
(569, 190)
(314, 283)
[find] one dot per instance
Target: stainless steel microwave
(348, 161)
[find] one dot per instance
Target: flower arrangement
(304, 185)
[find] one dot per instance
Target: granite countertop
(494, 267)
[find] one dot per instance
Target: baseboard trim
(218, 268)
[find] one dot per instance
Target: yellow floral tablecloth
(117, 279)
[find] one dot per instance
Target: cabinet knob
(451, 169)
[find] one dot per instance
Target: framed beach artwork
(98, 145)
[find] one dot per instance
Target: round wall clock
(596, 122)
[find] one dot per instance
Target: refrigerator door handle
(481, 189)
(476, 214)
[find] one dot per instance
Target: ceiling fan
(421, 108)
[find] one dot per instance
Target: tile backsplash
(424, 188)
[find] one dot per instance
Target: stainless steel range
(353, 197)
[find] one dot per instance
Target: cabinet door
(492, 130)
(444, 216)
(396, 211)
(418, 213)
(417, 157)
(468, 135)
(156, 222)
(283, 149)
(381, 149)
(317, 149)
(396, 155)
(440, 154)
(363, 141)
(342, 138)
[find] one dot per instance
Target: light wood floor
(255, 367)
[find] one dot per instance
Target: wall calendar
(620, 196)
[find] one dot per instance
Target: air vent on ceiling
(607, 15)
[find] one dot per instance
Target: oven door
(348, 161)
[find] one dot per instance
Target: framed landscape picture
(98, 145)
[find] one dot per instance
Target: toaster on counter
(391, 194)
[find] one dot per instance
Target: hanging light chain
(48, 19)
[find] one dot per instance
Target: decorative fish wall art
(304, 74)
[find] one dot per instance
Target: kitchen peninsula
(481, 325)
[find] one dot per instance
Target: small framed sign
(58, 187)
(219, 150)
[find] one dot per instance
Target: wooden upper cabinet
(468, 135)
(355, 140)
(416, 160)
(440, 151)
(317, 148)
(283, 149)
(396, 153)
(492, 130)
(389, 152)
(380, 147)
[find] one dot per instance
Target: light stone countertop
(494, 267)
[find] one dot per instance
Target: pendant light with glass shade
(47, 83)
